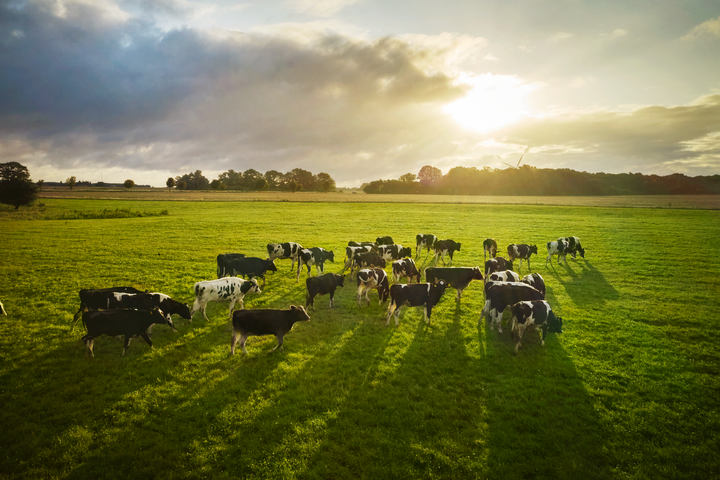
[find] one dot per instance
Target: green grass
(629, 390)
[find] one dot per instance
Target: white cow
(226, 289)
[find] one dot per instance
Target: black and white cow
(372, 245)
(314, 256)
(250, 267)
(127, 321)
(405, 268)
(538, 313)
(351, 252)
(489, 247)
(367, 260)
(384, 241)
(322, 285)
(426, 241)
(457, 277)
(284, 251)
(222, 267)
(247, 323)
(228, 289)
(521, 251)
(369, 279)
(420, 294)
(394, 252)
(443, 247)
(499, 296)
(148, 301)
(497, 264)
(536, 281)
(98, 299)
(504, 276)
(560, 248)
(574, 246)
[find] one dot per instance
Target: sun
(493, 102)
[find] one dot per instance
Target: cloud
(319, 8)
(561, 36)
(707, 30)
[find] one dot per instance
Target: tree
(325, 182)
(274, 178)
(304, 178)
(40, 184)
(429, 174)
(128, 184)
(16, 188)
(261, 184)
(170, 183)
(181, 185)
(218, 185)
(194, 180)
(250, 178)
(293, 186)
(231, 178)
(71, 181)
(408, 178)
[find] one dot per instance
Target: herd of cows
(128, 312)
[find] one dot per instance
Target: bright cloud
(706, 30)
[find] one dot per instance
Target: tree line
(294, 180)
(528, 180)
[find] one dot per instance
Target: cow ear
(293, 307)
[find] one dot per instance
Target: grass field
(629, 390)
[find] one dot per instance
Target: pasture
(629, 390)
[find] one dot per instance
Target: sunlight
(493, 102)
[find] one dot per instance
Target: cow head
(532, 249)
(180, 308)
(329, 255)
(406, 252)
(477, 274)
(457, 246)
(581, 251)
(271, 266)
(340, 280)
(554, 323)
(300, 314)
(250, 286)
(161, 317)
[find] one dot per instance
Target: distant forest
(528, 180)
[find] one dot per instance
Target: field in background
(629, 390)
(706, 202)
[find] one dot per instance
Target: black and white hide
(420, 294)
(537, 313)
(372, 279)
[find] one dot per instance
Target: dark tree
(218, 185)
(325, 182)
(231, 178)
(16, 188)
(293, 186)
(181, 185)
(261, 184)
(40, 184)
(429, 175)
(194, 180)
(128, 184)
(408, 178)
(170, 183)
(274, 178)
(71, 181)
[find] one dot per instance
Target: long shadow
(586, 286)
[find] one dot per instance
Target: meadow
(629, 390)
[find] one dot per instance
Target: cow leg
(128, 338)
(89, 342)
(459, 293)
(390, 311)
(292, 265)
(232, 304)
(498, 316)
(521, 330)
(520, 267)
(279, 344)
(426, 312)
(332, 299)
(297, 277)
(145, 337)
(233, 341)
(548, 259)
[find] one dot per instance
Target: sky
(107, 90)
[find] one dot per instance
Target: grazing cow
(538, 313)
(426, 241)
(497, 264)
(416, 295)
(284, 251)
(98, 299)
(457, 277)
(247, 323)
(222, 267)
(2, 310)
(322, 285)
(489, 247)
(384, 241)
(574, 246)
(350, 253)
(369, 279)
(443, 247)
(127, 321)
(521, 251)
(228, 289)
(394, 252)
(535, 281)
(372, 245)
(499, 296)
(314, 256)
(368, 259)
(147, 301)
(405, 268)
(559, 248)
(250, 267)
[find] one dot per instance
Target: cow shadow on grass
(583, 283)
